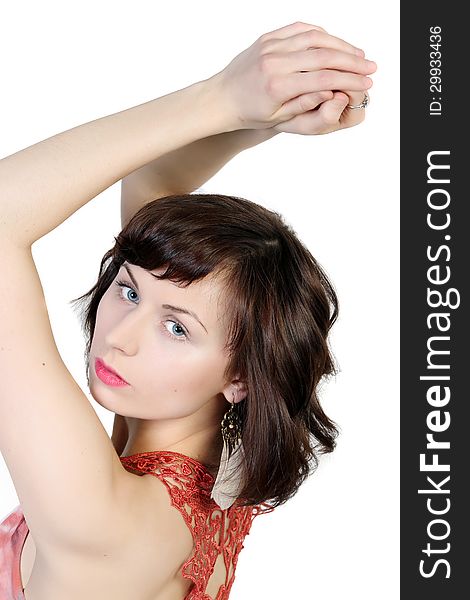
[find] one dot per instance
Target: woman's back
(171, 555)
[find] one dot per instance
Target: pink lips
(107, 375)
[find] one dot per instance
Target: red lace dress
(215, 531)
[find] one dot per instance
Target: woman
(206, 335)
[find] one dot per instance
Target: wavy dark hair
(280, 310)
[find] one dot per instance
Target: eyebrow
(178, 309)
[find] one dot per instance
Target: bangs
(188, 249)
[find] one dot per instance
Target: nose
(126, 333)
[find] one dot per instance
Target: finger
(329, 112)
(355, 97)
(286, 87)
(325, 58)
(304, 103)
(289, 30)
(323, 120)
(312, 38)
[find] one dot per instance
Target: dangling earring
(229, 481)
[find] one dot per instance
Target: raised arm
(184, 170)
(67, 170)
(187, 168)
(271, 82)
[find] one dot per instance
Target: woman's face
(173, 363)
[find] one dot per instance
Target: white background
(67, 63)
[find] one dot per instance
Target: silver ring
(363, 104)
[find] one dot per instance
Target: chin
(109, 406)
(97, 396)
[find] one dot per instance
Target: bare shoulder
(145, 505)
(156, 540)
(138, 551)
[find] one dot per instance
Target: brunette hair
(280, 306)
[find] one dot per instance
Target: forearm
(185, 169)
(42, 185)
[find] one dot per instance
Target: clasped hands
(297, 79)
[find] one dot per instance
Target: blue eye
(123, 284)
(183, 338)
(177, 325)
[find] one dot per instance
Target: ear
(235, 391)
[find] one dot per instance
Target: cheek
(108, 315)
(200, 371)
(191, 372)
(104, 316)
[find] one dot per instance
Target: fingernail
(360, 52)
(371, 63)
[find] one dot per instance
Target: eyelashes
(125, 284)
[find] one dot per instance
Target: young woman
(206, 334)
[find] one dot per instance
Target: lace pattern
(215, 531)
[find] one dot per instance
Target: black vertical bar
(434, 259)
